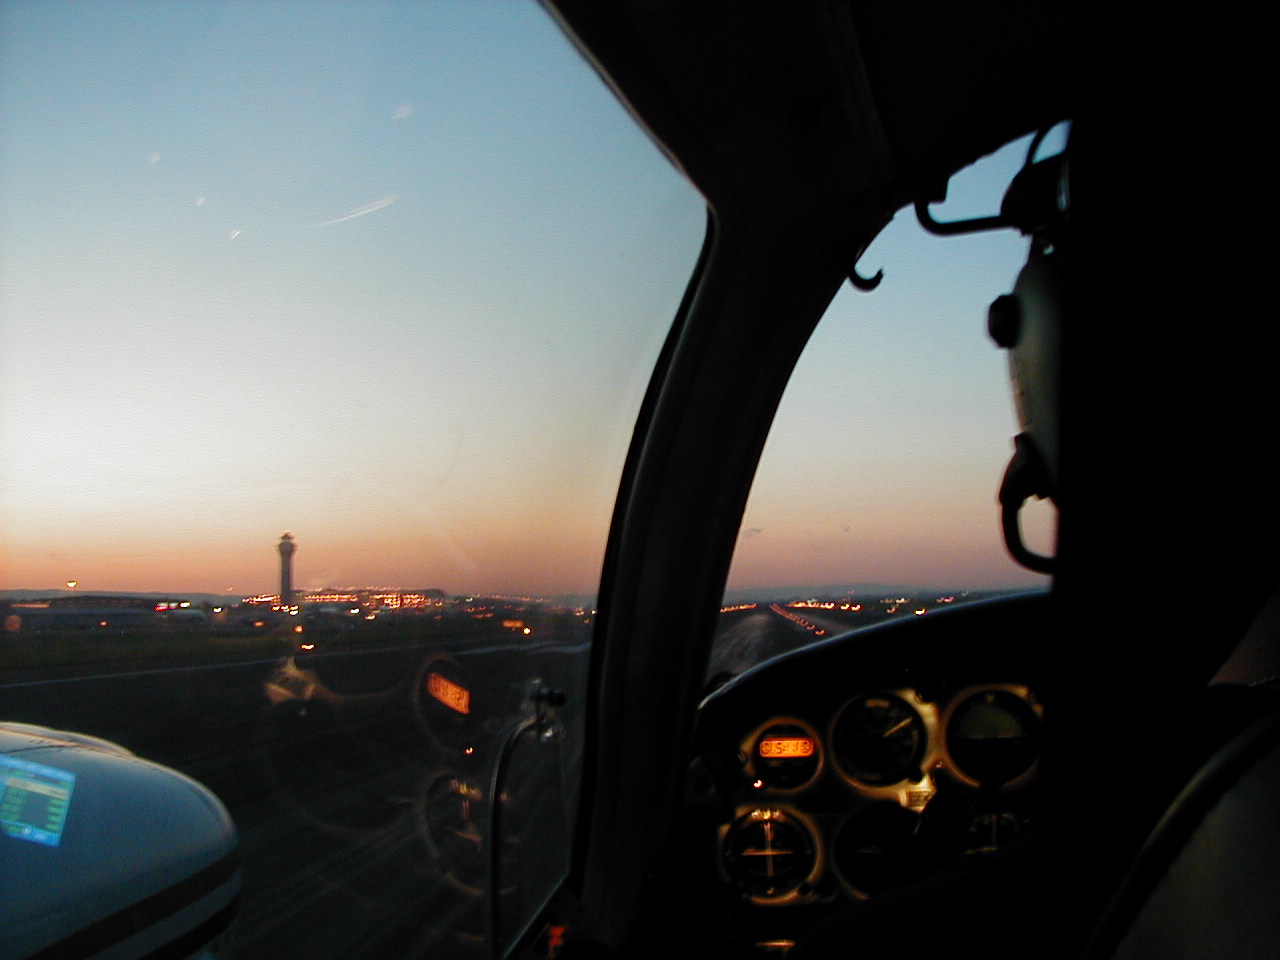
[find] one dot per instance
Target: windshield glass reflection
(391, 278)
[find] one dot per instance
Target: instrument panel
(879, 790)
(830, 782)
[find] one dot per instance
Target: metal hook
(977, 224)
(949, 229)
(865, 284)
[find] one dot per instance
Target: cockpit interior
(1085, 770)
(1024, 775)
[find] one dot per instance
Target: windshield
(876, 492)
(325, 328)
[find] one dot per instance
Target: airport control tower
(286, 548)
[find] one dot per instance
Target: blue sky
(392, 277)
(888, 449)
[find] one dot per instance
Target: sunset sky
(392, 277)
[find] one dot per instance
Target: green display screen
(34, 800)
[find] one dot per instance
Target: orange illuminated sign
(777, 748)
(452, 695)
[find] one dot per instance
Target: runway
(363, 776)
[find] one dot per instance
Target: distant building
(85, 613)
(367, 599)
(286, 547)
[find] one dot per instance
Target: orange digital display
(452, 695)
(782, 748)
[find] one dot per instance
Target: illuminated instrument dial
(786, 755)
(769, 853)
(452, 811)
(869, 849)
(879, 739)
(993, 736)
(446, 705)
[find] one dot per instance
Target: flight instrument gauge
(993, 736)
(869, 849)
(770, 853)
(879, 739)
(785, 754)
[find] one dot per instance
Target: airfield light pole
(286, 548)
